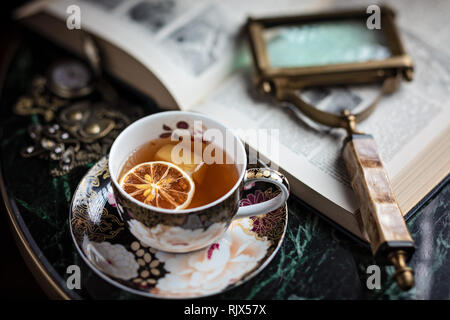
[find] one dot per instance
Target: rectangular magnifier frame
(332, 74)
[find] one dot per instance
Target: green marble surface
(316, 261)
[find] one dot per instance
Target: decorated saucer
(112, 251)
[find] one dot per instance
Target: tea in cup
(178, 178)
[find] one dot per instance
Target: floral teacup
(188, 229)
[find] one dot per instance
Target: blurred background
(16, 281)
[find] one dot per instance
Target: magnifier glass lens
(324, 43)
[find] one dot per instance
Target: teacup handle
(266, 175)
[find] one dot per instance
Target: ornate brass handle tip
(404, 275)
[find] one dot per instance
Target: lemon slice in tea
(160, 184)
(196, 170)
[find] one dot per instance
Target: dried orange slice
(160, 184)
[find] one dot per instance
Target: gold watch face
(70, 79)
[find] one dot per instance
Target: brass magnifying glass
(293, 53)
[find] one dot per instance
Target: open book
(189, 55)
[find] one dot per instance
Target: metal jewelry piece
(79, 127)
(39, 101)
(82, 133)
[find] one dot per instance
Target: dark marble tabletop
(316, 260)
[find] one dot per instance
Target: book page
(188, 45)
(428, 20)
(402, 124)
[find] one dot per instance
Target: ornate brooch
(71, 130)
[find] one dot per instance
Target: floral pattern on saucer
(212, 269)
(113, 259)
(122, 257)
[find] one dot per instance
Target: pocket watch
(70, 79)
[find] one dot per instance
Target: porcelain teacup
(188, 229)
